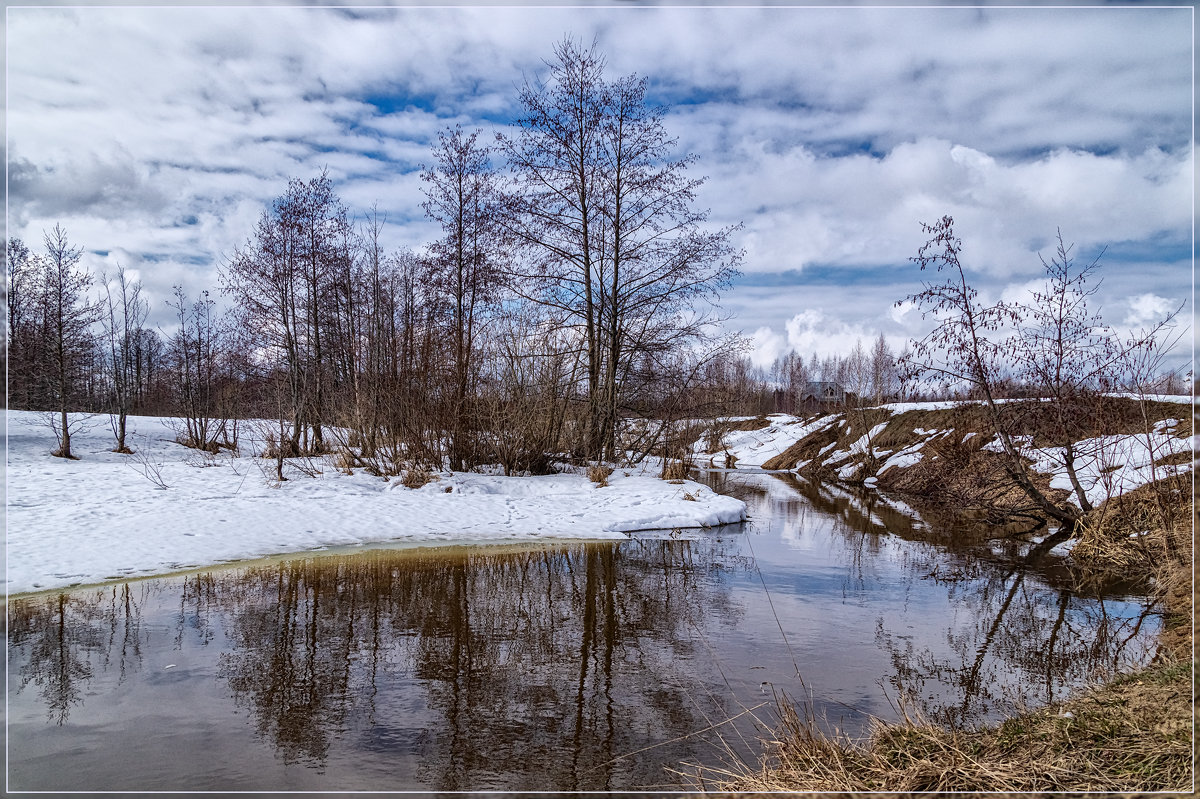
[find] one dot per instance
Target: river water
(563, 667)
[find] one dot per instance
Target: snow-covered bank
(101, 518)
(876, 446)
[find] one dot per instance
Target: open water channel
(561, 667)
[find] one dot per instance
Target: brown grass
(345, 461)
(675, 470)
(416, 477)
(1134, 734)
(1140, 532)
(806, 449)
(714, 435)
(599, 474)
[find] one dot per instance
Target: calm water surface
(598, 666)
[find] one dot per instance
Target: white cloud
(766, 346)
(830, 132)
(1148, 309)
(812, 331)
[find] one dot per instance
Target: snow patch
(89, 520)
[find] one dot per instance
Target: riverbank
(168, 508)
(946, 454)
(1132, 733)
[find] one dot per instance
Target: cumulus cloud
(766, 345)
(830, 133)
(1148, 309)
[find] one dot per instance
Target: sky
(157, 136)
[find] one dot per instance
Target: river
(571, 666)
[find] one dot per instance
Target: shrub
(416, 477)
(599, 473)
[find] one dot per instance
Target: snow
(1114, 465)
(100, 518)
(942, 405)
(859, 447)
(756, 447)
(1179, 399)
(1108, 466)
(909, 456)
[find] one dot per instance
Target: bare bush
(599, 474)
(416, 477)
(148, 464)
(675, 469)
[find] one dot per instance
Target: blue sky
(156, 136)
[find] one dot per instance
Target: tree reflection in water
(549, 664)
(1021, 632)
(471, 669)
(64, 638)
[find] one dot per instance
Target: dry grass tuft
(1132, 735)
(599, 474)
(1144, 531)
(345, 461)
(416, 477)
(675, 470)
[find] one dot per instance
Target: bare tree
(1054, 345)
(885, 379)
(68, 317)
(125, 313)
(964, 347)
(22, 343)
(604, 213)
(285, 284)
(460, 194)
(196, 354)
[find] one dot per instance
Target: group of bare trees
(794, 384)
(52, 351)
(572, 285)
(80, 342)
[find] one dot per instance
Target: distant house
(823, 392)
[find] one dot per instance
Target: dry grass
(675, 470)
(416, 477)
(599, 474)
(345, 461)
(1139, 532)
(1134, 734)
(714, 435)
(806, 449)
